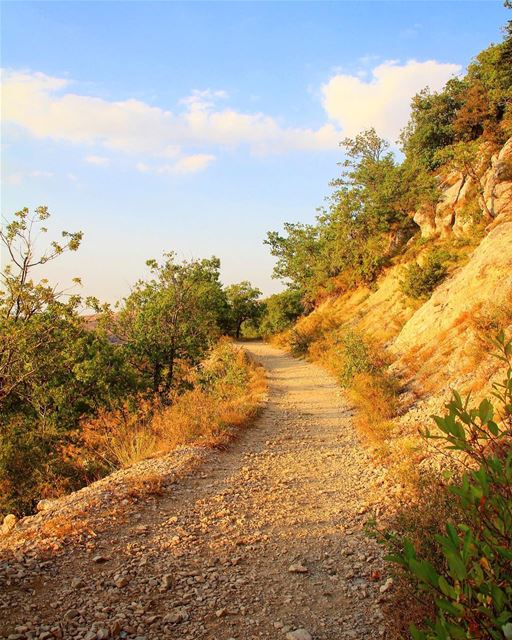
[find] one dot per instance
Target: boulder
(9, 523)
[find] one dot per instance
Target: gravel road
(264, 540)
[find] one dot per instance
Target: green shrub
(281, 311)
(471, 583)
(420, 280)
(299, 342)
(357, 357)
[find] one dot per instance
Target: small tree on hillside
(173, 317)
(281, 311)
(244, 304)
(53, 369)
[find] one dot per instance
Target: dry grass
(64, 527)
(226, 395)
(489, 320)
(375, 397)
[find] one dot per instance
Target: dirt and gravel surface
(265, 540)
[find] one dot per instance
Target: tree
(32, 314)
(243, 302)
(470, 159)
(430, 126)
(349, 244)
(298, 255)
(172, 318)
(281, 311)
(53, 369)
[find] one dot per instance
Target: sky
(197, 127)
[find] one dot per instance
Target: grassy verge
(224, 395)
(215, 400)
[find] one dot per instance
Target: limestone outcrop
(486, 279)
(486, 191)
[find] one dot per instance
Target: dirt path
(259, 541)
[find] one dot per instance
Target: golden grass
(209, 414)
(63, 527)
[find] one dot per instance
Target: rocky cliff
(483, 188)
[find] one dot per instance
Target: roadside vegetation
(452, 545)
(81, 394)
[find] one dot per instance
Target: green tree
(244, 304)
(53, 369)
(366, 214)
(172, 318)
(281, 311)
(430, 126)
(298, 254)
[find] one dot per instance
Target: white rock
(386, 585)
(9, 523)
(299, 634)
(43, 505)
(297, 568)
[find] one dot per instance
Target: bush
(224, 393)
(299, 342)
(375, 396)
(356, 357)
(471, 580)
(420, 280)
(281, 311)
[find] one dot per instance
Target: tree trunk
(157, 376)
(170, 371)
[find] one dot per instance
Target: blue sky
(197, 127)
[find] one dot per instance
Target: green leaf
(454, 608)
(424, 571)
(485, 411)
(493, 428)
(416, 634)
(447, 589)
(457, 567)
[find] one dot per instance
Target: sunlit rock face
(486, 277)
(464, 198)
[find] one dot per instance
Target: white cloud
(186, 164)
(192, 164)
(38, 173)
(100, 161)
(20, 177)
(382, 101)
(185, 140)
(45, 107)
(14, 179)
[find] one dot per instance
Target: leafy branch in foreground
(472, 591)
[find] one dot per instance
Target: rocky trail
(265, 540)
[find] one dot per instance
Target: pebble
(386, 586)
(297, 568)
(299, 634)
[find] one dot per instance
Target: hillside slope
(427, 347)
